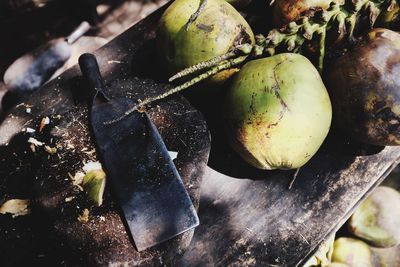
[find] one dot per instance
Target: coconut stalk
(294, 37)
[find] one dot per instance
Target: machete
(144, 179)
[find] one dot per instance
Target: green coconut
(216, 30)
(377, 219)
(353, 252)
(277, 112)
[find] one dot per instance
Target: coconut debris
(16, 207)
(84, 217)
(35, 142)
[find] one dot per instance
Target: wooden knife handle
(91, 72)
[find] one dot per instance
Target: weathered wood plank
(251, 220)
(255, 220)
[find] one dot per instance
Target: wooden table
(249, 217)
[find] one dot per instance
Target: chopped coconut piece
(50, 150)
(69, 199)
(173, 154)
(28, 110)
(77, 179)
(16, 207)
(84, 217)
(94, 183)
(35, 141)
(102, 218)
(30, 130)
(92, 166)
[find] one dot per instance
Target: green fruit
(353, 252)
(217, 29)
(377, 219)
(94, 183)
(364, 85)
(277, 112)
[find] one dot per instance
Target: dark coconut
(364, 85)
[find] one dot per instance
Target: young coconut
(377, 219)
(185, 41)
(364, 85)
(277, 112)
(353, 252)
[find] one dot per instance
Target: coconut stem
(227, 64)
(294, 35)
(243, 49)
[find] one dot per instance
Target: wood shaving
(16, 207)
(69, 199)
(30, 130)
(84, 217)
(35, 141)
(79, 187)
(92, 166)
(77, 179)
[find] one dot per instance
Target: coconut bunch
(278, 109)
